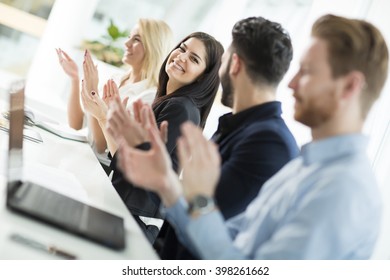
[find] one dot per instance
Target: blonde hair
(157, 39)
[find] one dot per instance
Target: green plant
(108, 48)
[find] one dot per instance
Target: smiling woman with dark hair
(188, 83)
(202, 92)
(178, 86)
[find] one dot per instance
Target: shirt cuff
(177, 214)
(195, 232)
(219, 244)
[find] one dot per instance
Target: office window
(22, 23)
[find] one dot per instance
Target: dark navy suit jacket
(254, 144)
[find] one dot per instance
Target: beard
(227, 88)
(314, 114)
(313, 118)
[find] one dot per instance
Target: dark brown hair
(203, 90)
(265, 47)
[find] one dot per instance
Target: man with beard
(254, 141)
(325, 204)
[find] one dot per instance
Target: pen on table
(52, 250)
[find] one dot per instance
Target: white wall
(46, 81)
(378, 127)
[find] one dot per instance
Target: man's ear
(354, 83)
(235, 65)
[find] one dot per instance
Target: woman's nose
(128, 43)
(182, 57)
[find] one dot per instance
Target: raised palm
(93, 104)
(149, 169)
(91, 76)
(68, 64)
(200, 161)
(121, 124)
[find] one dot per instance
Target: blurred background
(30, 30)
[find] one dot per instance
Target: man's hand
(200, 161)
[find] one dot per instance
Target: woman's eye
(194, 59)
(182, 49)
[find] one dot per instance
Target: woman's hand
(91, 76)
(151, 170)
(110, 91)
(68, 64)
(93, 104)
(144, 114)
(122, 125)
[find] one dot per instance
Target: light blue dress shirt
(325, 204)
